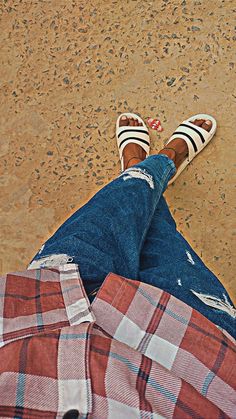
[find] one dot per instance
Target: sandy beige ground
(68, 68)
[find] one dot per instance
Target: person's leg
(106, 234)
(168, 262)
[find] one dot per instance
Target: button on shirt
(135, 352)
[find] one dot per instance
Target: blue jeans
(127, 228)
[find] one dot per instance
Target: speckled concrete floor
(68, 68)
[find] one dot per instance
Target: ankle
(132, 162)
(169, 153)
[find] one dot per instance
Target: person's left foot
(177, 149)
(132, 153)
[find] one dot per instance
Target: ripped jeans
(127, 228)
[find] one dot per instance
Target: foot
(180, 146)
(132, 153)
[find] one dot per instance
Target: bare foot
(180, 146)
(132, 153)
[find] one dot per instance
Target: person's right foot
(132, 153)
(180, 146)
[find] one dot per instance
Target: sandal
(129, 134)
(196, 138)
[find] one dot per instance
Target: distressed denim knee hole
(137, 173)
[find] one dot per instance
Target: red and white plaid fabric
(135, 352)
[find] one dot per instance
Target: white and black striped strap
(138, 135)
(194, 136)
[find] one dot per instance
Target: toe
(139, 123)
(207, 124)
(134, 122)
(123, 121)
(198, 122)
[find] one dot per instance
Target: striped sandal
(196, 138)
(128, 134)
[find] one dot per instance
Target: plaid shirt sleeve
(45, 319)
(40, 300)
(127, 384)
(178, 338)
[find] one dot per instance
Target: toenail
(208, 122)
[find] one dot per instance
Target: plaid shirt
(135, 352)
